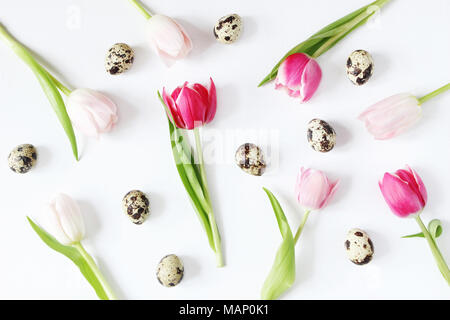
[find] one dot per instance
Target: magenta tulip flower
(404, 192)
(299, 75)
(406, 195)
(313, 189)
(192, 106)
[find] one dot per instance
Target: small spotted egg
(250, 159)
(359, 247)
(170, 271)
(22, 158)
(119, 58)
(321, 136)
(228, 28)
(136, 205)
(359, 67)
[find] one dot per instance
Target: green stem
(434, 94)
(348, 27)
(58, 84)
(101, 279)
(442, 265)
(302, 224)
(212, 220)
(141, 9)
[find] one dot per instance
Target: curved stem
(141, 9)
(302, 224)
(96, 270)
(212, 219)
(348, 27)
(58, 84)
(434, 94)
(442, 265)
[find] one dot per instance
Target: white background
(410, 47)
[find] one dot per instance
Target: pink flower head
(299, 75)
(404, 192)
(91, 112)
(168, 39)
(313, 189)
(391, 116)
(192, 106)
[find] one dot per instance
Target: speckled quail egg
(250, 158)
(321, 136)
(359, 67)
(170, 271)
(22, 158)
(228, 28)
(136, 205)
(359, 247)
(119, 58)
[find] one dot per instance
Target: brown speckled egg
(250, 159)
(170, 271)
(228, 28)
(22, 158)
(359, 247)
(359, 67)
(119, 58)
(136, 205)
(321, 136)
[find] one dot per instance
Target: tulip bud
(168, 39)
(299, 75)
(62, 218)
(313, 189)
(192, 106)
(404, 192)
(391, 116)
(91, 112)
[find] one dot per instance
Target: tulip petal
(310, 81)
(170, 103)
(212, 105)
(402, 200)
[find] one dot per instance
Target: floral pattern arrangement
(191, 108)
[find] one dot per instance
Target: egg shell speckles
(321, 136)
(136, 206)
(22, 158)
(359, 247)
(119, 58)
(250, 159)
(228, 28)
(170, 271)
(359, 67)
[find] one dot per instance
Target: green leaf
(189, 174)
(282, 274)
(47, 84)
(434, 227)
(73, 254)
(334, 29)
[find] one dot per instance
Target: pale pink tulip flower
(91, 112)
(299, 75)
(313, 189)
(168, 39)
(391, 116)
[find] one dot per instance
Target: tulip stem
(212, 219)
(101, 279)
(302, 224)
(442, 265)
(141, 9)
(434, 94)
(348, 27)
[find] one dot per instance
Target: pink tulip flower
(392, 116)
(299, 75)
(168, 39)
(91, 112)
(404, 192)
(192, 106)
(313, 189)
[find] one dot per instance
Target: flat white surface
(410, 46)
